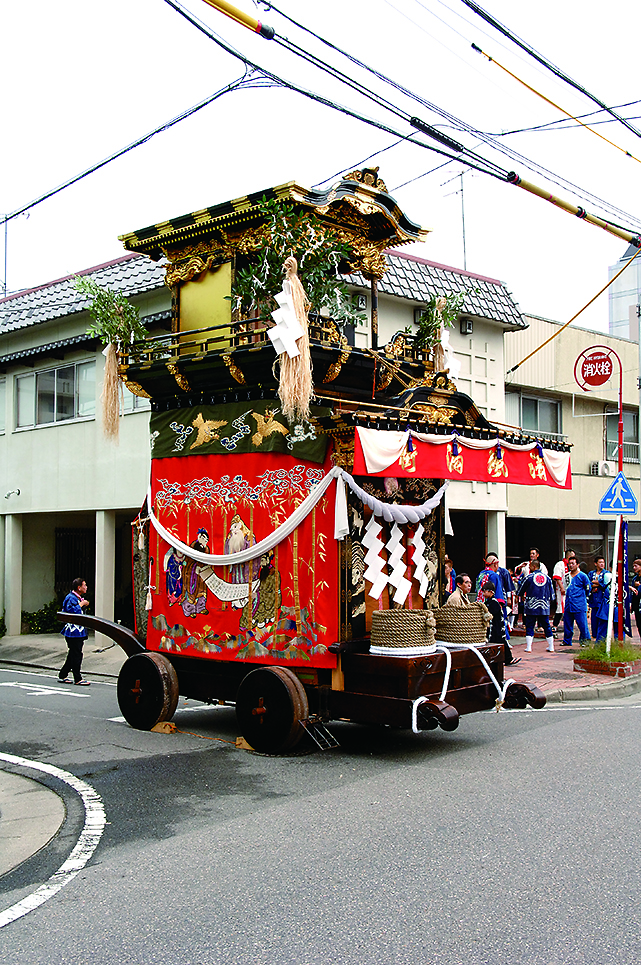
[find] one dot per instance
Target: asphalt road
(514, 839)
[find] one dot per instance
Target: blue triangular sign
(619, 500)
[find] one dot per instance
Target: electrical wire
(563, 123)
(376, 98)
(545, 62)
(553, 104)
(246, 80)
(563, 327)
(460, 125)
(478, 164)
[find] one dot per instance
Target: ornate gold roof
(358, 207)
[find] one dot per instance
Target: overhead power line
(545, 62)
(461, 125)
(547, 100)
(477, 163)
(245, 81)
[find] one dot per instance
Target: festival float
(289, 558)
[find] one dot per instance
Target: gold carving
(440, 415)
(135, 388)
(234, 371)
(343, 452)
(181, 381)
(334, 370)
(367, 176)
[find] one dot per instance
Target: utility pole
(4, 279)
(463, 221)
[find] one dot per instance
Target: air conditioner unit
(605, 468)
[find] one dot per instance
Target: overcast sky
(82, 80)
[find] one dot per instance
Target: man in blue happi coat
(599, 579)
(537, 592)
(74, 634)
(576, 604)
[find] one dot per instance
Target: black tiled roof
(131, 275)
(417, 280)
(409, 277)
(76, 341)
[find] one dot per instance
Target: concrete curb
(606, 691)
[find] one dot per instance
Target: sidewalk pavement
(30, 814)
(554, 673)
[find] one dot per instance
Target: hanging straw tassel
(110, 397)
(295, 387)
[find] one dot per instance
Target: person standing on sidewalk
(600, 578)
(538, 593)
(74, 634)
(560, 579)
(491, 573)
(635, 591)
(576, 604)
(496, 629)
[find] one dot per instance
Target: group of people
(530, 593)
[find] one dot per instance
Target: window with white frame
(3, 404)
(56, 395)
(630, 436)
(537, 416)
(134, 403)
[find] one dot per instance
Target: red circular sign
(593, 367)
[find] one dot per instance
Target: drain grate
(556, 675)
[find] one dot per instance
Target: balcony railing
(247, 333)
(630, 451)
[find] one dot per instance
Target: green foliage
(440, 310)
(3, 625)
(43, 620)
(618, 652)
(114, 319)
(320, 255)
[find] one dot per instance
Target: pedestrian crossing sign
(619, 500)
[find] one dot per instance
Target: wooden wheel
(147, 690)
(270, 704)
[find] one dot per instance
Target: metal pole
(619, 547)
(463, 220)
(613, 584)
(374, 311)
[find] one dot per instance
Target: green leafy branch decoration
(441, 311)
(115, 320)
(322, 259)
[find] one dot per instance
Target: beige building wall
(550, 373)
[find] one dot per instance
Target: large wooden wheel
(270, 704)
(147, 690)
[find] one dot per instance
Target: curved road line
(86, 845)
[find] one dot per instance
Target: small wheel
(270, 704)
(147, 690)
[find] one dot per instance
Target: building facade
(68, 497)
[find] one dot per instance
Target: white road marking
(42, 690)
(87, 843)
(570, 705)
(48, 676)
